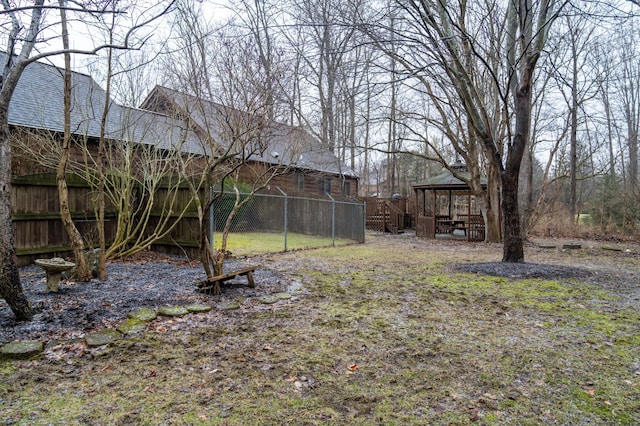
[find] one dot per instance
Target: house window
(346, 188)
(324, 186)
(298, 182)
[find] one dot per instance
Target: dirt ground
(81, 307)
(396, 331)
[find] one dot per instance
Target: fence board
(39, 230)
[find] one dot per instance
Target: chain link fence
(270, 223)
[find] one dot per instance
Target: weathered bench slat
(213, 285)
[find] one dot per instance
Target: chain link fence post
(285, 210)
(333, 220)
(212, 223)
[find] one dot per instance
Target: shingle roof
(38, 103)
(446, 180)
(283, 144)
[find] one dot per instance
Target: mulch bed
(147, 280)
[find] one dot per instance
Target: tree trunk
(10, 287)
(77, 243)
(513, 250)
(493, 224)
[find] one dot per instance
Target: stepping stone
(269, 299)
(173, 311)
(144, 314)
(21, 350)
(101, 338)
(132, 326)
(199, 308)
(229, 306)
(282, 296)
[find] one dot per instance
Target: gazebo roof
(447, 181)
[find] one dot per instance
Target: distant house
(167, 119)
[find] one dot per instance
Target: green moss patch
(173, 311)
(132, 326)
(229, 306)
(198, 308)
(101, 338)
(143, 314)
(21, 350)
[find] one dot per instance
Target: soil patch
(524, 270)
(148, 280)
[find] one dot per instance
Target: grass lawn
(254, 243)
(382, 333)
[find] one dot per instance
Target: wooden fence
(39, 232)
(35, 211)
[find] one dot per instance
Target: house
(311, 168)
(168, 119)
(36, 119)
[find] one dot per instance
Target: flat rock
(268, 299)
(198, 308)
(132, 326)
(229, 306)
(21, 350)
(173, 311)
(282, 296)
(144, 314)
(102, 337)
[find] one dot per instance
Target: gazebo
(447, 208)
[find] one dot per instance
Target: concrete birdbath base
(54, 268)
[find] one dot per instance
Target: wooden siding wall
(311, 181)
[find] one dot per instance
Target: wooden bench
(212, 286)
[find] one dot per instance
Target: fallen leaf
(473, 415)
(353, 367)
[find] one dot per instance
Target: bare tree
(326, 34)
(227, 102)
(77, 243)
(576, 90)
(25, 26)
(482, 58)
